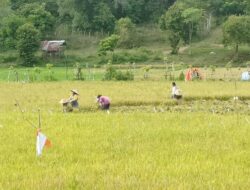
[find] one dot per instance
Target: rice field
(148, 141)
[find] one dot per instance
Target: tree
(174, 39)
(155, 8)
(125, 28)
(236, 31)
(104, 20)
(182, 23)
(174, 23)
(108, 44)
(248, 9)
(28, 43)
(119, 8)
(16, 4)
(8, 31)
(66, 11)
(52, 7)
(192, 17)
(5, 10)
(86, 15)
(140, 11)
(41, 19)
(80, 22)
(234, 7)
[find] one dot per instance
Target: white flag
(41, 141)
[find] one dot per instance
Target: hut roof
(52, 46)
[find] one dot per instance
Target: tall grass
(47, 95)
(94, 72)
(129, 150)
(126, 151)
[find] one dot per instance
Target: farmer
(71, 103)
(104, 102)
(73, 99)
(176, 94)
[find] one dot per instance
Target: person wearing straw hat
(73, 99)
(71, 103)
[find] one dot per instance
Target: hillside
(154, 47)
(156, 30)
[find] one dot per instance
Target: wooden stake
(39, 119)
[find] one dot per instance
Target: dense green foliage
(139, 145)
(237, 31)
(108, 44)
(101, 15)
(84, 23)
(41, 19)
(8, 33)
(111, 73)
(126, 29)
(27, 43)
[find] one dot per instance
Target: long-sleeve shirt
(175, 90)
(74, 100)
(104, 100)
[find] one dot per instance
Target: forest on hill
(119, 23)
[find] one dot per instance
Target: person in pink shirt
(104, 102)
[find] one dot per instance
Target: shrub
(36, 73)
(126, 29)
(108, 44)
(182, 76)
(28, 43)
(78, 72)
(9, 59)
(146, 71)
(50, 75)
(248, 64)
(128, 75)
(110, 72)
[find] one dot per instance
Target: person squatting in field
(71, 103)
(176, 93)
(104, 102)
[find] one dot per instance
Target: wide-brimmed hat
(75, 91)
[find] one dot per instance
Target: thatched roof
(53, 46)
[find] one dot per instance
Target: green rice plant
(148, 141)
(125, 76)
(50, 74)
(182, 76)
(78, 72)
(110, 72)
(126, 151)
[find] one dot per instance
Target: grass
(147, 142)
(47, 95)
(154, 46)
(134, 149)
(127, 151)
(157, 73)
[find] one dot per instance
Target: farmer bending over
(104, 102)
(70, 103)
(176, 93)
